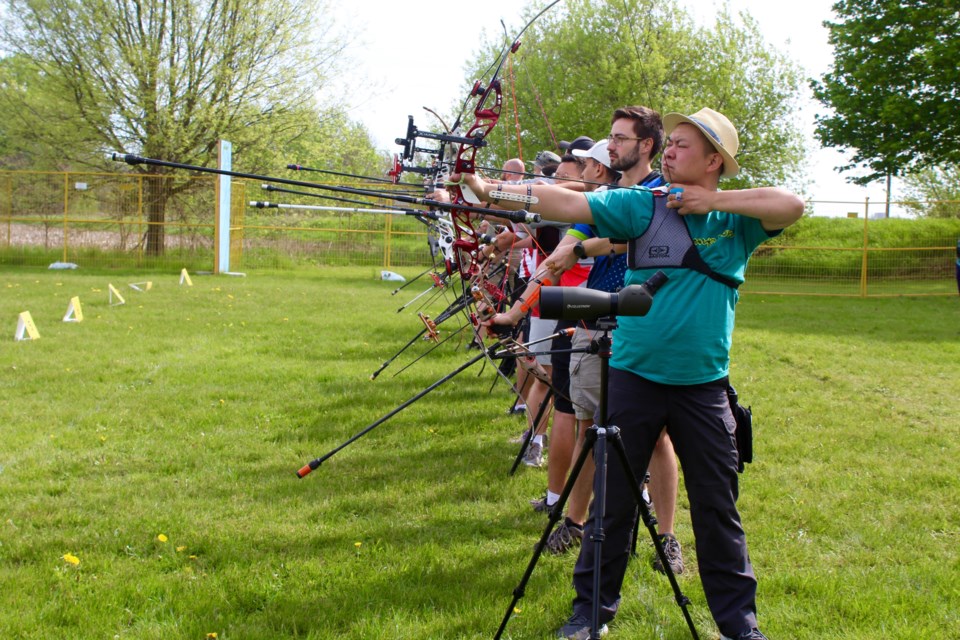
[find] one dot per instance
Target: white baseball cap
(597, 152)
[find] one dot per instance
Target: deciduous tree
(894, 86)
(580, 62)
(934, 192)
(163, 78)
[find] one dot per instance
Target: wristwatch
(579, 251)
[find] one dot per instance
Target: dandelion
(357, 546)
(212, 635)
(72, 559)
(181, 548)
(161, 537)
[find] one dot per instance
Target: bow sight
(410, 148)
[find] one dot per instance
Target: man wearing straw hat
(670, 367)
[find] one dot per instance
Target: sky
(395, 70)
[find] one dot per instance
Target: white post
(224, 163)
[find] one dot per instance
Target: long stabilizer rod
(513, 216)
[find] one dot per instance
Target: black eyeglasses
(619, 139)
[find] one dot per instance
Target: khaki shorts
(539, 329)
(584, 376)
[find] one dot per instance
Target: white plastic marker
(74, 312)
(115, 294)
(26, 330)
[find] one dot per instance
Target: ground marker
(25, 325)
(141, 286)
(74, 312)
(185, 277)
(115, 294)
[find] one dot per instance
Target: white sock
(552, 498)
(538, 439)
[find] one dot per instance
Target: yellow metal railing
(143, 221)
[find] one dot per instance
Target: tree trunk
(155, 196)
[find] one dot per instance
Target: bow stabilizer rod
(517, 216)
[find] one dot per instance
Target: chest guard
(667, 243)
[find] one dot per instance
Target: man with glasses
(671, 366)
(636, 136)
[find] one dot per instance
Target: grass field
(148, 458)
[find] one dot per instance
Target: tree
(584, 59)
(934, 192)
(162, 78)
(894, 86)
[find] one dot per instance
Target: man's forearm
(776, 208)
(553, 202)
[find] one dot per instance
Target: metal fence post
(140, 219)
(66, 196)
(863, 262)
(387, 228)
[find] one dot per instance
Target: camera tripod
(599, 438)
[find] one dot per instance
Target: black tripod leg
(650, 522)
(532, 431)
(636, 525)
(598, 535)
(554, 515)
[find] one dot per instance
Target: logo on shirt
(659, 252)
(707, 242)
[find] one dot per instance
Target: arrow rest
(431, 327)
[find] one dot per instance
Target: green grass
(186, 412)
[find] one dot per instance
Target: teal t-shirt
(685, 338)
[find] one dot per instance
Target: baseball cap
(597, 152)
(581, 142)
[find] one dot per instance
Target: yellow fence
(131, 221)
(106, 220)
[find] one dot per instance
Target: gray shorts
(539, 329)
(584, 376)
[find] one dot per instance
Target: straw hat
(718, 130)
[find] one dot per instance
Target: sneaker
(566, 536)
(671, 549)
(753, 634)
(517, 409)
(578, 628)
(533, 457)
(520, 438)
(540, 504)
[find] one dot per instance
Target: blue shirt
(685, 338)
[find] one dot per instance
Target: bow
(464, 250)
